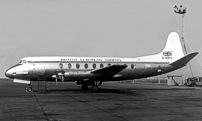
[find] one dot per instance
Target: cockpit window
(23, 62)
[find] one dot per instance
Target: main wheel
(95, 88)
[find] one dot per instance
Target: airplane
(92, 71)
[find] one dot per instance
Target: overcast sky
(118, 28)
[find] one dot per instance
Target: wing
(110, 70)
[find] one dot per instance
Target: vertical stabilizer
(173, 49)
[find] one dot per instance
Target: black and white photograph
(100, 60)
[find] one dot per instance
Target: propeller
(60, 76)
(56, 81)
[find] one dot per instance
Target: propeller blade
(56, 81)
(62, 78)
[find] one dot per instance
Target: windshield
(22, 61)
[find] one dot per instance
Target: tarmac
(114, 102)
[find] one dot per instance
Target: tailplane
(184, 60)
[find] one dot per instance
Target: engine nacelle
(59, 77)
(79, 75)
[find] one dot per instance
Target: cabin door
(39, 70)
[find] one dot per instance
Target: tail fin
(173, 49)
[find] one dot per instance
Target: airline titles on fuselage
(92, 60)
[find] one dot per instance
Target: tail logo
(167, 55)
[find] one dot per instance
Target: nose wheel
(29, 88)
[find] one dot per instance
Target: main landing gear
(94, 88)
(29, 88)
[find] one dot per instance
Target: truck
(193, 81)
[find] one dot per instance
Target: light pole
(182, 11)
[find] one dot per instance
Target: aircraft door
(39, 70)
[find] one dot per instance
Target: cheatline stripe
(95, 62)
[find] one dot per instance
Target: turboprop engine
(58, 77)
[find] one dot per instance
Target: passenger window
(101, 65)
(69, 66)
(94, 65)
(86, 66)
(109, 64)
(60, 65)
(77, 66)
(132, 66)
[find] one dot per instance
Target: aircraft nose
(9, 74)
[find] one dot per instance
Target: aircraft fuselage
(81, 70)
(91, 70)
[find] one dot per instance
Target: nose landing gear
(29, 88)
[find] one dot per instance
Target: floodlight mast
(182, 11)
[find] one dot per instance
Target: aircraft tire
(29, 89)
(95, 88)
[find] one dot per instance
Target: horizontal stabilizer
(184, 60)
(110, 70)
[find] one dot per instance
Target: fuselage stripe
(95, 62)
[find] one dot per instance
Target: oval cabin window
(101, 65)
(60, 65)
(132, 66)
(69, 65)
(77, 66)
(86, 66)
(94, 65)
